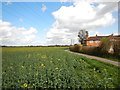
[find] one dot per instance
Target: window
(97, 41)
(91, 41)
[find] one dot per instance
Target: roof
(100, 37)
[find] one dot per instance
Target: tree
(83, 34)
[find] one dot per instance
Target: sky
(51, 23)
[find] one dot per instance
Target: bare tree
(83, 34)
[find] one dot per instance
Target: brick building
(96, 40)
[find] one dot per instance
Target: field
(52, 67)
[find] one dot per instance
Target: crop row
(37, 67)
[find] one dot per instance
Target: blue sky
(29, 14)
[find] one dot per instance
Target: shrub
(102, 50)
(117, 48)
(104, 46)
(88, 49)
(71, 48)
(84, 49)
(76, 47)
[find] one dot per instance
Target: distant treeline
(39, 46)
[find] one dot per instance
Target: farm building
(96, 40)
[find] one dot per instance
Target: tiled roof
(100, 37)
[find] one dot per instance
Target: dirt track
(98, 58)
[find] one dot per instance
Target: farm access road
(98, 58)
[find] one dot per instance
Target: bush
(117, 48)
(88, 49)
(84, 49)
(76, 48)
(71, 48)
(104, 46)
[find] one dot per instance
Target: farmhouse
(96, 40)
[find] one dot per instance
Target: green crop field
(52, 67)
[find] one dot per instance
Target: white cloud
(103, 34)
(10, 35)
(106, 0)
(8, 2)
(43, 8)
(116, 33)
(80, 15)
(64, 1)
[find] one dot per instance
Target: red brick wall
(93, 44)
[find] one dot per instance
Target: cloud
(80, 15)
(8, 2)
(94, 33)
(43, 8)
(10, 35)
(63, 1)
(108, 8)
